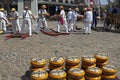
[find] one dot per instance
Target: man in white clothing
(26, 20)
(3, 20)
(62, 19)
(42, 13)
(88, 20)
(70, 20)
(14, 18)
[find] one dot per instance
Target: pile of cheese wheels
(88, 61)
(56, 63)
(108, 72)
(101, 60)
(72, 70)
(72, 62)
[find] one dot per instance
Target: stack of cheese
(56, 63)
(37, 63)
(76, 74)
(108, 72)
(88, 61)
(93, 73)
(57, 74)
(39, 75)
(72, 62)
(102, 60)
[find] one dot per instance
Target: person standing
(62, 19)
(42, 13)
(75, 16)
(3, 20)
(14, 18)
(26, 20)
(95, 15)
(88, 20)
(69, 19)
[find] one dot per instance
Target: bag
(61, 21)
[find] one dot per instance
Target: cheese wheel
(76, 73)
(36, 62)
(69, 78)
(88, 60)
(93, 72)
(56, 61)
(39, 75)
(72, 60)
(92, 78)
(34, 68)
(1, 32)
(84, 67)
(100, 65)
(53, 67)
(105, 77)
(100, 57)
(109, 70)
(69, 67)
(57, 74)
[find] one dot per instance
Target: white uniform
(27, 20)
(2, 21)
(75, 14)
(15, 23)
(70, 22)
(88, 21)
(41, 20)
(63, 16)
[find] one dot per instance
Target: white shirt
(89, 16)
(2, 15)
(75, 14)
(27, 14)
(62, 13)
(14, 14)
(42, 11)
(70, 14)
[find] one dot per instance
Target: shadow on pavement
(26, 76)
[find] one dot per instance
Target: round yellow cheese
(56, 61)
(100, 57)
(92, 78)
(84, 67)
(93, 72)
(39, 75)
(76, 73)
(36, 62)
(72, 60)
(88, 60)
(105, 77)
(57, 74)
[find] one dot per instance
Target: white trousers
(88, 27)
(41, 23)
(64, 24)
(16, 25)
(70, 25)
(3, 25)
(28, 22)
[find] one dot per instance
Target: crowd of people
(68, 21)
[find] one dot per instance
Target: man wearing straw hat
(88, 20)
(3, 20)
(69, 19)
(26, 20)
(14, 18)
(75, 15)
(42, 20)
(62, 19)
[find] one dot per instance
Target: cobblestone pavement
(15, 54)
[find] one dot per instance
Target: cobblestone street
(15, 54)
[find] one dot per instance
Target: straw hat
(76, 9)
(1, 9)
(61, 7)
(70, 9)
(12, 9)
(43, 6)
